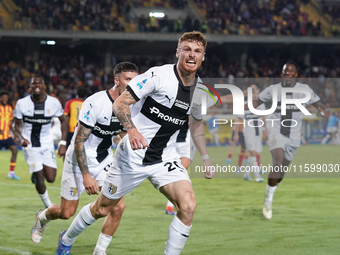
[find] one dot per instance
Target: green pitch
(228, 219)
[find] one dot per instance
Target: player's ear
(116, 80)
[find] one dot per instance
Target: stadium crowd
(258, 17)
(227, 17)
(65, 73)
(73, 15)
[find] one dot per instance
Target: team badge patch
(73, 191)
(112, 188)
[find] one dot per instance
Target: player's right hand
(24, 143)
(137, 141)
(210, 169)
(90, 184)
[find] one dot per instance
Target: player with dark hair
(283, 140)
(88, 158)
(161, 103)
(36, 112)
(72, 110)
(6, 141)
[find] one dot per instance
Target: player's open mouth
(37, 90)
(191, 62)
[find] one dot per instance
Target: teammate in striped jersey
(6, 141)
(283, 140)
(36, 112)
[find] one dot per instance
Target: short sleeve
(17, 111)
(314, 97)
(89, 114)
(59, 109)
(144, 84)
(266, 94)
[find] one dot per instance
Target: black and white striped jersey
(162, 109)
(37, 119)
(290, 124)
(96, 114)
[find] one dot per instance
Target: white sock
(83, 219)
(170, 204)
(103, 242)
(270, 193)
(252, 162)
(177, 237)
(42, 217)
(45, 199)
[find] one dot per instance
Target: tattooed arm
(122, 111)
(90, 184)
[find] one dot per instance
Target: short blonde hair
(193, 36)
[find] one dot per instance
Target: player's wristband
(62, 142)
(206, 156)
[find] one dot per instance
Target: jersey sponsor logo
(155, 110)
(106, 132)
(114, 119)
(73, 191)
(40, 112)
(33, 120)
(141, 84)
(87, 115)
(181, 104)
(112, 189)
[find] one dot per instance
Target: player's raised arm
(198, 136)
(122, 111)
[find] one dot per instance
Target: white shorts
(72, 181)
(280, 141)
(332, 130)
(253, 142)
(186, 149)
(124, 176)
(36, 157)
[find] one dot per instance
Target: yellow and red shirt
(6, 115)
(72, 109)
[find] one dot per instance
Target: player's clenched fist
(90, 184)
(137, 141)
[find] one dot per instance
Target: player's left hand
(61, 150)
(210, 169)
